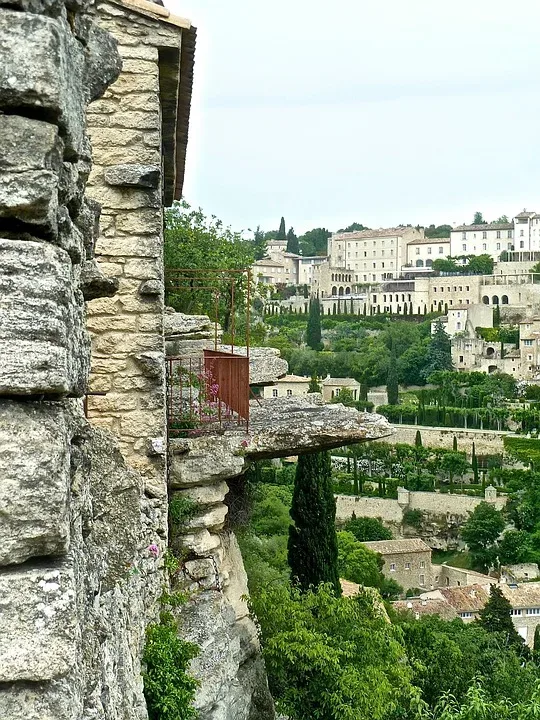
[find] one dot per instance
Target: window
(484, 237)
(521, 244)
(465, 614)
(498, 234)
(407, 566)
(461, 358)
(464, 247)
(527, 342)
(429, 251)
(532, 611)
(289, 393)
(392, 567)
(458, 326)
(516, 613)
(441, 250)
(510, 233)
(464, 235)
(484, 246)
(417, 251)
(498, 246)
(521, 233)
(422, 580)
(274, 392)
(422, 565)
(467, 288)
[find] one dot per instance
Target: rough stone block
(34, 467)
(38, 627)
(29, 145)
(132, 175)
(43, 701)
(30, 197)
(50, 77)
(43, 343)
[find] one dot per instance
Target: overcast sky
(381, 112)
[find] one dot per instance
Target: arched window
(485, 300)
(347, 291)
(340, 293)
(334, 290)
(495, 300)
(419, 263)
(490, 352)
(429, 263)
(504, 300)
(492, 368)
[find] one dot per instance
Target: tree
(496, 616)
(313, 330)
(478, 219)
(281, 233)
(536, 643)
(259, 244)
(446, 265)
(292, 242)
(314, 386)
(515, 547)
(344, 396)
(418, 439)
(474, 464)
(454, 464)
(438, 356)
(194, 241)
(503, 220)
(353, 227)
(367, 529)
(392, 387)
(481, 531)
(312, 546)
(480, 265)
(357, 563)
(454, 444)
(314, 242)
(441, 231)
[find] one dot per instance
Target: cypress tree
(454, 444)
(392, 380)
(474, 464)
(314, 386)
(292, 242)
(313, 329)
(312, 546)
(536, 643)
(281, 234)
(418, 439)
(496, 616)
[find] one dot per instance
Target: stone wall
(486, 442)
(77, 582)
(126, 128)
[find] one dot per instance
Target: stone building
(423, 251)
(139, 135)
(466, 602)
(408, 562)
(490, 238)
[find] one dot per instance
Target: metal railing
(208, 394)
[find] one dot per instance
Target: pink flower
(244, 443)
(153, 550)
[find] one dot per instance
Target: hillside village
(299, 487)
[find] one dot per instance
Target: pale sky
(381, 112)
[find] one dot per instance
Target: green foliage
(496, 616)
(441, 231)
(181, 509)
(527, 450)
(414, 518)
(169, 690)
(516, 546)
(438, 356)
(353, 227)
(314, 386)
(356, 562)
(330, 658)
(478, 219)
(292, 242)
(312, 546)
(314, 242)
(313, 330)
(392, 380)
(281, 234)
(367, 529)
(481, 532)
(345, 397)
(418, 439)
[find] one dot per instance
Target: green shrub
(168, 689)
(414, 518)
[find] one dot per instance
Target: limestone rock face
(133, 175)
(35, 471)
(42, 338)
(265, 364)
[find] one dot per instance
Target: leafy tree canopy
(478, 219)
(314, 242)
(366, 529)
(353, 227)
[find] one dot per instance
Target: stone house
(295, 385)
(421, 252)
(490, 238)
(466, 602)
(408, 562)
(139, 131)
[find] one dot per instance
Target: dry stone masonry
(77, 583)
